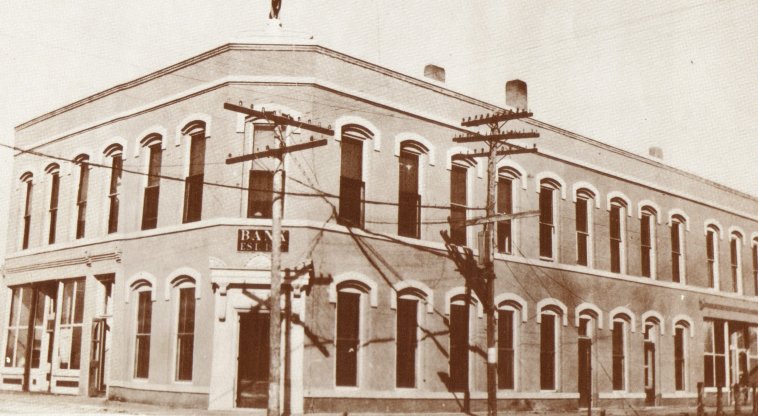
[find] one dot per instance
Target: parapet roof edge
(307, 45)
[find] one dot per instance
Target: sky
(681, 75)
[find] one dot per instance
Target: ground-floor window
(407, 342)
(506, 350)
(619, 355)
(679, 358)
(185, 334)
(548, 351)
(348, 338)
(142, 341)
(71, 321)
(26, 309)
(459, 333)
(714, 354)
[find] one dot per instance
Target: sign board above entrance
(259, 240)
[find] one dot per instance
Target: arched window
(648, 219)
(82, 161)
(53, 170)
(510, 313)
(459, 343)
(585, 200)
(410, 302)
(142, 292)
(184, 288)
(506, 193)
(193, 191)
(617, 227)
(622, 323)
(652, 329)
(754, 250)
(735, 248)
(260, 195)
(352, 187)
(712, 255)
(26, 221)
(680, 355)
(115, 153)
(352, 299)
(548, 232)
(678, 226)
(409, 198)
(459, 173)
(153, 144)
(550, 336)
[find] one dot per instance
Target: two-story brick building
(137, 261)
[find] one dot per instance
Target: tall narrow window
(193, 191)
(351, 182)
(117, 163)
(679, 357)
(619, 355)
(582, 231)
(617, 231)
(714, 354)
(409, 200)
(458, 204)
(506, 356)
(504, 206)
(55, 184)
(18, 327)
(548, 351)
(735, 244)
(348, 337)
(407, 342)
(81, 197)
(152, 188)
(27, 220)
(755, 266)
(547, 221)
(71, 323)
(711, 255)
(459, 333)
(647, 242)
(142, 335)
(185, 334)
(677, 249)
(260, 194)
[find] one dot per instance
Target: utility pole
(280, 121)
(498, 145)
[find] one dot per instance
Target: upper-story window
(648, 216)
(152, 189)
(82, 163)
(193, 191)
(409, 198)
(352, 187)
(27, 183)
(506, 179)
(115, 152)
(53, 170)
(712, 255)
(617, 228)
(584, 202)
(458, 203)
(677, 248)
(260, 194)
(735, 248)
(548, 232)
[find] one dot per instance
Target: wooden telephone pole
(280, 121)
(498, 145)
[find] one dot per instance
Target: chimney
(435, 72)
(515, 94)
(656, 152)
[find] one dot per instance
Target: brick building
(137, 261)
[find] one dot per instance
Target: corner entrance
(253, 360)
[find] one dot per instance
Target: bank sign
(259, 240)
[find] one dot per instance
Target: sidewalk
(14, 403)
